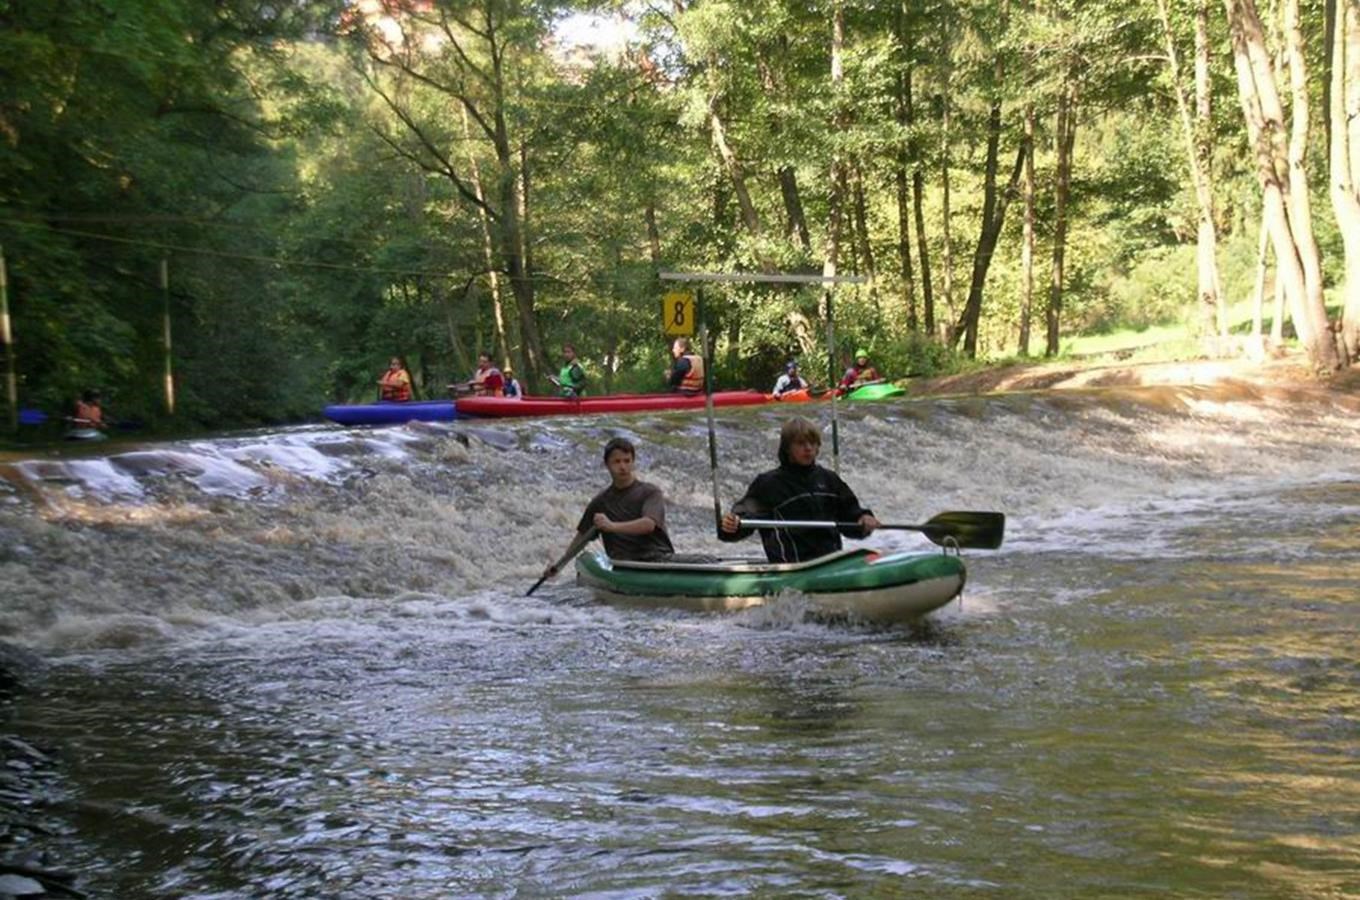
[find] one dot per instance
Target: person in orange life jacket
(799, 489)
(89, 413)
(395, 384)
(630, 515)
(513, 389)
(861, 372)
(789, 381)
(686, 373)
(487, 381)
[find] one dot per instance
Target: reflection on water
(1152, 690)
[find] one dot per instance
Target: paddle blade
(972, 530)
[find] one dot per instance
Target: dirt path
(1290, 370)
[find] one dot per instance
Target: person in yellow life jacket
(395, 384)
(686, 373)
(89, 413)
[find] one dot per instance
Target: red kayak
(506, 407)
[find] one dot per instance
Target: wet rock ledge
(28, 777)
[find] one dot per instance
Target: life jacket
(512, 388)
(395, 386)
(480, 379)
(571, 379)
(855, 374)
(89, 414)
(693, 382)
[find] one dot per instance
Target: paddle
(575, 548)
(974, 530)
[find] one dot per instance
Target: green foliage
(316, 202)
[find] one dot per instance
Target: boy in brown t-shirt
(630, 515)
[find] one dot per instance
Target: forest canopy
(268, 201)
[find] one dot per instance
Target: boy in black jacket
(799, 490)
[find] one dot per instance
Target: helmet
(790, 365)
(861, 353)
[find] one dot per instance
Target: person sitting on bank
(486, 381)
(789, 381)
(89, 411)
(686, 373)
(630, 515)
(513, 389)
(395, 384)
(571, 381)
(799, 489)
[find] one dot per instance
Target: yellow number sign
(677, 313)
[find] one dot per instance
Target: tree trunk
(735, 171)
(994, 205)
(835, 212)
(488, 246)
(1027, 242)
(793, 208)
(903, 113)
(904, 240)
(1065, 137)
(1199, 151)
(1256, 344)
(946, 232)
(653, 233)
(866, 250)
(1344, 133)
(1301, 204)
(1264, 116)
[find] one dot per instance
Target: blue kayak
(390, 413)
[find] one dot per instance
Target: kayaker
(89, 411)
(861, 373)
(799, 489)
(571, 381)
(513, 389)
(487, 380)
(395, 384)
(789, 381)
(630, 515)
(686, 373)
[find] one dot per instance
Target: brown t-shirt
(637, 500)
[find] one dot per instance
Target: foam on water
(444, 524)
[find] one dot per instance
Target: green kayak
(898, 587)
(875, 392)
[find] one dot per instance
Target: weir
(164, 541)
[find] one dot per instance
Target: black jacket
(798, 492)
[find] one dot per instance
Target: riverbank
(1291, 370)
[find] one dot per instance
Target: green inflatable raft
(862, 584)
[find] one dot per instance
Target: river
(299, 663)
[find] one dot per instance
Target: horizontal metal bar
(768, 279)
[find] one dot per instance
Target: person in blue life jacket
(789, 381)
(571, 380)
(512, 389)
(799, 490)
